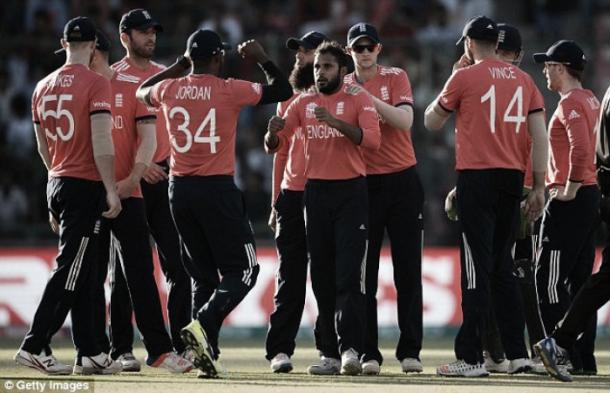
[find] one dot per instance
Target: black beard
(331, 86)
(301, 78)
(142, 52)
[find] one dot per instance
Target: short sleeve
(157, 93)
(100, 96)
(35, 116)
(144, 112)
(449, 99)
(368, 121)
(401, 93)
(244, 93)
(537, 101)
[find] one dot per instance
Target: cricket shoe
(195, 339)
(519, 366)
(171, 361)
(460, 368)
(493, 366)
(129, 362)
(371, 367)
(350, 364)
(553, 357)
(537, 366)
(47, 364)
(281, 363)
(98, 364)
(326, 366)
(411, 365)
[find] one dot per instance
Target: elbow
(430, 124)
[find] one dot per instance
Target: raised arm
(277, 88)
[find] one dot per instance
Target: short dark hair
(334, 49)
(574, 73)
(489, 44)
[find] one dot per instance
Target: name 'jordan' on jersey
(492, 99)
(201, 112)
(62, 104)
(126, 112)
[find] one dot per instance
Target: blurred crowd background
(417, 35)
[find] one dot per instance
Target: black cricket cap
(138, 19)
(103, 43)
(480, 28)
(79, 29)
(310, 40)
(509, 38)
(204, 44)
(361, 30)
(566, 52)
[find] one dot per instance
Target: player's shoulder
(157, 66)
(121, 65)
(390, 72)
(125, 77)
(350, 78)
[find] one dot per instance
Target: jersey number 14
(508, 118)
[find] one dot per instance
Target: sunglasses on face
(360, 48)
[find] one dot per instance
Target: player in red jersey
(493, 101)
(337, 127)
(125, 241)
(138, 33)
(565, 256)
(510, 50)
(71, 114)
(595, 292)
(287, 218)
(396, 199)
(202, 110)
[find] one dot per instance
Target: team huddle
(135, 150)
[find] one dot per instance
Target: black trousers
(565, 261)
(523, 264)
(396, 202)
(125, 247)
(169, 248)
(593, 294)
(291, 276)
(76, 204)
(488, 207)
(337, 238)
(210, 215)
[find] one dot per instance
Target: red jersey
(329, 155)
(572, 139)
(392, 86)
(289, 160)
(62, 104)
(202, 112)
(125, 114)
(492, 99)
(128, 67)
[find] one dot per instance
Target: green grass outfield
(248, 372)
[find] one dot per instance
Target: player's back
(493, 99)
(62, 104)
(202, 112)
